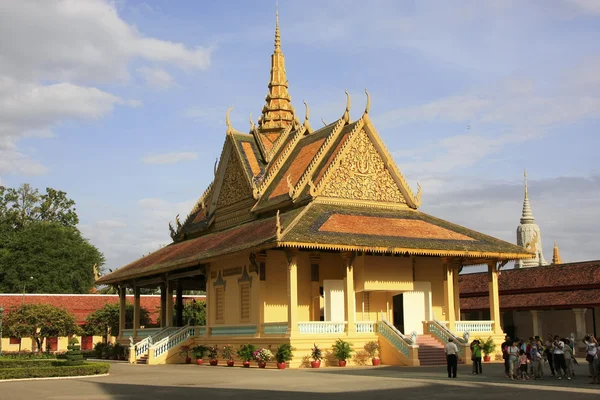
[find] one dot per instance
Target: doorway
(398, 307)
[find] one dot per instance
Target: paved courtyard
(196, 382)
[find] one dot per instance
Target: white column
(580, 328)
(536, 317)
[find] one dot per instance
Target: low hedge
(15, 363)
(61, 371)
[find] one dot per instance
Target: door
(416, 308)
(398, 316)
(334, 299)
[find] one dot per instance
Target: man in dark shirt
(505, 345)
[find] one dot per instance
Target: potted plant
(185, 351)
(284, 354)
(199, 352)
(262, 356)
(342, 350)
(246, 354)
(228, 354)
(213, 355)
(317, 355)
(373, 349)
(487, 347)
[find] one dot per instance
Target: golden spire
(556, 255)
(277, 114)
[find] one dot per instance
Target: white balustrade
(365, 326)
(474, 326)
(321, 327)
(173, 340)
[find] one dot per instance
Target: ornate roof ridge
(279, 142)
(279, 162)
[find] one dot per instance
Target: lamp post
(1, 317)
(24, 285)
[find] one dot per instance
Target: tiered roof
(337, 187)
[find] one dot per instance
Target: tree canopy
(39, 239)
(39, 322)
(105, 321)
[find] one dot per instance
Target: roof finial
(348, 103)
(277, 35)
(228, 121)
(306, 116)
(368, 106)
(252, 126)
(525, 175)
(556, 255)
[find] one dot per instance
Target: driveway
(175, 382)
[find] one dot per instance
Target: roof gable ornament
(368, 106)
(278, 225)
(348, 103)
(307, 126)
(323, 121)
(252, 126)
(228, 121)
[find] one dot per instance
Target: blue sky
(122, 103)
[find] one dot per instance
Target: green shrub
(342, 349)
(246, 352)
(27, 355)
(45, 372)
(284, 353)
(30, 363)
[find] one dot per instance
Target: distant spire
(527, 215)
(556, 255)
(277, 113)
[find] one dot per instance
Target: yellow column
(450, 310)
(261, 259)
(349, 291)
(169, 319)
(315, 285)
(292, 276)
(207, 301)
(456, 269)
(122, 308)
(494, 297)
(136, 311)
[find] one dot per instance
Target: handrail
(142, 347)
(396, 338)
(443, 334)
(364, 326)
(173, 340)
(322, 327)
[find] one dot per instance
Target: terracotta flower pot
(487, 358)
(376, 361)
(246, 364)
(342, 363)
(199, 361)
(315, 364)
(281, 365)
(188, 360)
(214, 362)
(262, 364)
(230, 363)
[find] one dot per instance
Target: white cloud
(54, 52)
(170, 158)
(110, 224)
(157, 78)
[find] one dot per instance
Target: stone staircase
(142, 360)
(431, 351)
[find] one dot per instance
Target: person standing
(536, 360)
(476, 351)
(505, 346)
(591, 347)
(451, 357)
(513, 354)
(559, 359)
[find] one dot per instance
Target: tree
(58, 258)
(19, 207)
(39, 322)
(105, 321)
(194, 313)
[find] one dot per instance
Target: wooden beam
(187, 274)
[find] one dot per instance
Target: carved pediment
(362, 175)
(235, 186)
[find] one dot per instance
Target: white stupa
(529, 235)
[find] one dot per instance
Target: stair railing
(401, 342)
(172, 340)
(142, 347)
(443, 334)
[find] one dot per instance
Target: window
(52, 344)
(15, 340)
(220, 304)
(245, 302)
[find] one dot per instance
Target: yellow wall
(383, 273)
(430, 269)
(232, 305)
(276, 287)
(28, 344)
(304, 287)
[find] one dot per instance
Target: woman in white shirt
(513, 359)
(591, 347)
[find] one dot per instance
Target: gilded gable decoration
(307, 126)
(346, 116)
(234, 187)
(362, 175)
(278, 226)
(368, 106)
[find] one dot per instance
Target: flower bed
(21, 369)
